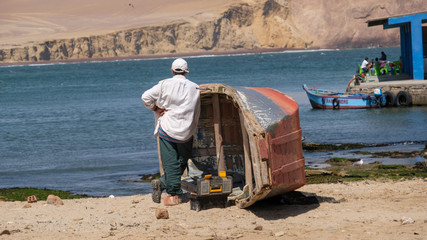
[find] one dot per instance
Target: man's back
(181, 99)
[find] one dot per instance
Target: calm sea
(82, 126)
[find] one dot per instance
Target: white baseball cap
(180, 66)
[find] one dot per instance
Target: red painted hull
(284, 145)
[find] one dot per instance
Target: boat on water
(254, 135)
(325, 99)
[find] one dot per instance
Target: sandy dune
(359, 210)
(25, 21)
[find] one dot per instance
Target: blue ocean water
(82, 127)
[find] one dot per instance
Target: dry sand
(357, 210)
(23, 22)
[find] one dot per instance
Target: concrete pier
(416, 88)
(409, 88)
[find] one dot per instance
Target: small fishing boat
(254, 135)
(325, 99)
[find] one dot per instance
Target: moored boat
(254, 135)
(325, 99)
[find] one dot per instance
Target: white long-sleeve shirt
(181, 99)
(364, 63)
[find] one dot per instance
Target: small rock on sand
(162, 213)
(406, 220)
(55, 200)
(258, 228)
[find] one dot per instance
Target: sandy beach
(355, 210)
(24, 22)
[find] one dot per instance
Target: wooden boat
(254, 135)
(325, 99)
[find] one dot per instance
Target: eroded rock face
(257, 24)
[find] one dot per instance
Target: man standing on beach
(176, 105)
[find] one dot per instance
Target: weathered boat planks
(254, 135)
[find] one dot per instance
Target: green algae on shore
(149, 177)
(394, 154)
(21, 194)
(334, 147)
(343, 170)
(339, 161)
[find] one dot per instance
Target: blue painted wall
(411, 42)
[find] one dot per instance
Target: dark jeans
(174, 159)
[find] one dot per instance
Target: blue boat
(325, 99)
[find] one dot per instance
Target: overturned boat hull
(254, 135)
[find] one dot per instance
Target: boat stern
(254, 135)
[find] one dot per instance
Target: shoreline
(340, 170)
(174, 55)
(160, 56)
(317, 170)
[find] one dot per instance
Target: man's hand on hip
(158, 110)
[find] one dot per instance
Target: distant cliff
(256, 24)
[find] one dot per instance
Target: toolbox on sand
(208, 192)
